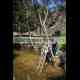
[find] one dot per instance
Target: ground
(24, 67)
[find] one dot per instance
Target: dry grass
(25, 68)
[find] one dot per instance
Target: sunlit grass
(61, 40)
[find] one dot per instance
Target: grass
(61, 40)
(25, 67)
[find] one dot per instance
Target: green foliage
(58, 33)
(61, 41)
(27, 18)
(63, 46)
(61, 8)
